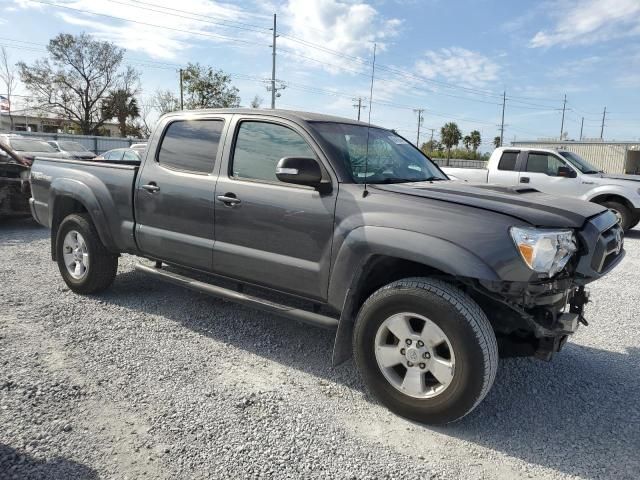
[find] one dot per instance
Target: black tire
(634, 223)
(626, 217)
(460, 319)
(103, 265)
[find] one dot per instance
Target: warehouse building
(611, 157)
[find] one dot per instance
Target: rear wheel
(85, 264)
(623, 214)
(425, 349)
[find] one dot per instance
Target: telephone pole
(420, 118)
(273, 65)
(504, 101)
(581, 127)
(604, 114)
(432, 129)
(564, 105)
(359, 105)
(181, 93)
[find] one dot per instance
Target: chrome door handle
(228, 199)
(151, 187)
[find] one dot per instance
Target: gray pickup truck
(331, 222)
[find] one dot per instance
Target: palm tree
(122, 105)
(466, 141)
(496, 142)
(450, 135)
(476, 140)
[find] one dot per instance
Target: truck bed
(108, 185)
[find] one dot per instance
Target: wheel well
(64, 206)
(600, 199)
(382, 270)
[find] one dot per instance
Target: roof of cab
(280, 113)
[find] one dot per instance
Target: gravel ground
(151, 381)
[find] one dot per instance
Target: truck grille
(607, 248)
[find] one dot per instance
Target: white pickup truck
(559, 173)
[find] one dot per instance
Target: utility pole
(359, 105)
(563, 108)
(181, 93)
(273, 65)
(432, 129)
(604, 114)
(420, 118)
(504, 101)
(581, 127)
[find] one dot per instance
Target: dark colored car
(119, 155)
(334, 223)
(72, 149)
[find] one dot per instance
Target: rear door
(268, 232)
(540, 171)
(175, 191)
(506, 172)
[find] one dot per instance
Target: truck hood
(617, 179)
(527, 204)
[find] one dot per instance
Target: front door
(175, 193)
(268, 232)
(540, 171)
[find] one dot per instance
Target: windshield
(28, 145)
(72, 147)
(579, 162)
(391, 159)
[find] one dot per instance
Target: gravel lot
(151, 381)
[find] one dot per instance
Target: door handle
(151, 187)
(524, 179)
(229, 199)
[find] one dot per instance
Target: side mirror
(300, 171)
(567, 172)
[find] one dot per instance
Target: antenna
(366, 158)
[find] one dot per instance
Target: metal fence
(460, 163)
(97, 145)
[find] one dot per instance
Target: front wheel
(85, 264)
(425, 349)
(622, 213)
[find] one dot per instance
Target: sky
(452, 59)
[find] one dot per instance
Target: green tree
(496, 142)
(208, 88)
(122, 105)
(450, 135)
(476, 140)
(466, 141)
(74, 79)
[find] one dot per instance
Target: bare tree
(73, 81)
(144, 120)
(8, 76)
(165, 101)
(256, 102)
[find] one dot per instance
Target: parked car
(29, 148)
(72, 149)
(425, 280)
(14, 183)
(560, 173)
(119, 155)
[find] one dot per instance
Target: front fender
(618, 190)
(67, 187)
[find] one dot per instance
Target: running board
(249, 300)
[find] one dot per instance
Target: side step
(249, 300)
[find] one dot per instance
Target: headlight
(544, 251)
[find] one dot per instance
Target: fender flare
(70, 188)
(364, 243)
(614, 190)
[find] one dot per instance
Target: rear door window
(508, 161)
(191, 145)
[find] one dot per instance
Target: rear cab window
(508, 161)
(191, 145)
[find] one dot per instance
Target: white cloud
(587, 22)
(349, 27)
(460, 66)
(172, 33)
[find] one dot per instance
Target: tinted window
(191, 145)
(544, 163)
(260, 146)
(508, 161)
(27, 145)
(72, 147)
